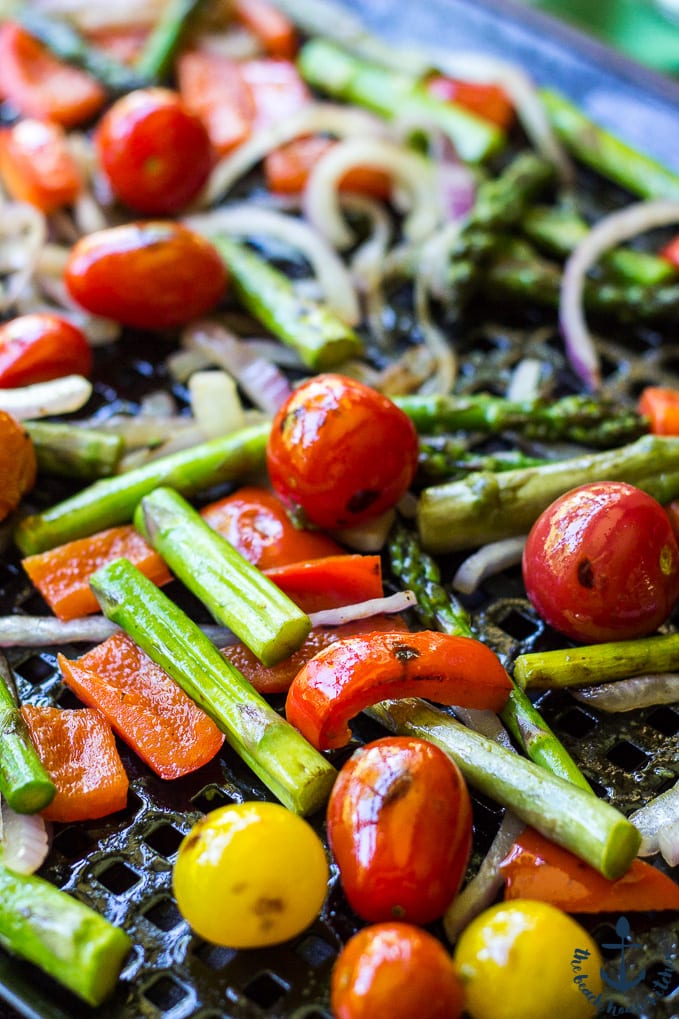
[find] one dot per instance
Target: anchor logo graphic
(622, 982)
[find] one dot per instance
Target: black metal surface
(122, 865)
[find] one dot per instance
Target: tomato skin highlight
(150, 275)
(341, 451)
(36, 165)
(39, 347)
(395, 970)
(156, 153)
(602, 563)
(399, 826)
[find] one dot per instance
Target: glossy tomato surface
(152, 275)
(341, 452)
(395, 970)
(602, 563)
(40, 347)
(156, 154)
(400, 827)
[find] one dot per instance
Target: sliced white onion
(184, 439)
(141, 430)
(486, 562)
(487, 723)
(325, 118)
(524, 383)
(484, 886)
(88, 214)
(629, 694)
(60, 396)
(25, 841)
(95, 14)
(215, 403)
(411, 172)
(181, 364)
(608, 233)
(399, 602)
(248, 220)
(656, 814)
(440, 349)
(668, 843)
(367, 259)
(158, 404)
(47, 631)
(23, 232)
(368, 537)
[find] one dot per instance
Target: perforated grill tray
(122, 865)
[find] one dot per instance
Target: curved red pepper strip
(352, 674)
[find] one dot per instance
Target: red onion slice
(629, 694)
(657, 814)
(487, 561)
(25, 841)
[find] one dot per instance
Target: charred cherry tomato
(400, 828)
(154, 275)
(40, 347)
(341, 452)
(250, 874)
(601, 563)
(156, 154)
(395, 970)
(36, 165)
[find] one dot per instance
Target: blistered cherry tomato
(40, 347)
(395, 970)
(341, 452)
(153, 275)
(601, 563)
(156, 154)
(250, 874)
(400, 827)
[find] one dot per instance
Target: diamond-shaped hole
(576, 722)
(68, 701)
(210, 797)
(117, 877)
(216, 957)
(72, 843)
(266, 989)
(517, 625)
(164, 840)
(163, 914)
(165, 993)
(315, 951)
(665, 720)
(36, 669)
(627, 756)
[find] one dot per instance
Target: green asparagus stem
(606, 153)
(442, 458)
(237, 594)
(290, 767)
(558, 230)
(598, 663)
(437, 609)
(66, 43)
(500, 202)
(61, 935)
(24, 783)
(393, 95)
(155, 60)
(319, 337)
(112, 501)
(486, 507)
(576, 418)
(573, 818)
(74, 452)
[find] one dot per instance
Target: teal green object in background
(638, 28)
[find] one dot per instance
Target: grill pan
(122, 865)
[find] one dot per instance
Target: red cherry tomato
(37, 166)
(154, 275)
(601, 563)
(395, 970)
(341, 452)
(400, 827)
(156, 154)
(40, 347)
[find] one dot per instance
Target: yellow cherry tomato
(525, 958)
(249, 875)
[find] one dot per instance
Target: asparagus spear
(443, 458)
(290, 767)
(486, 507)
(64, 40)
(155, 60)
(606, 153)
(598, 663)
(112, 501)
(74, 452)
(24, 783)
(392, 95)
(319, 337)
(237, 594)
(576, 418)
(61, 935)
(436, 608)
(573, 818)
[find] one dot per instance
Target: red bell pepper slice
(660, 405)
(330, 582)
(37, 166)
(287, 169)
(536, 868)
(144, 705)
(78, 750)
(274, 30)
(485, 99)
(352, 674)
